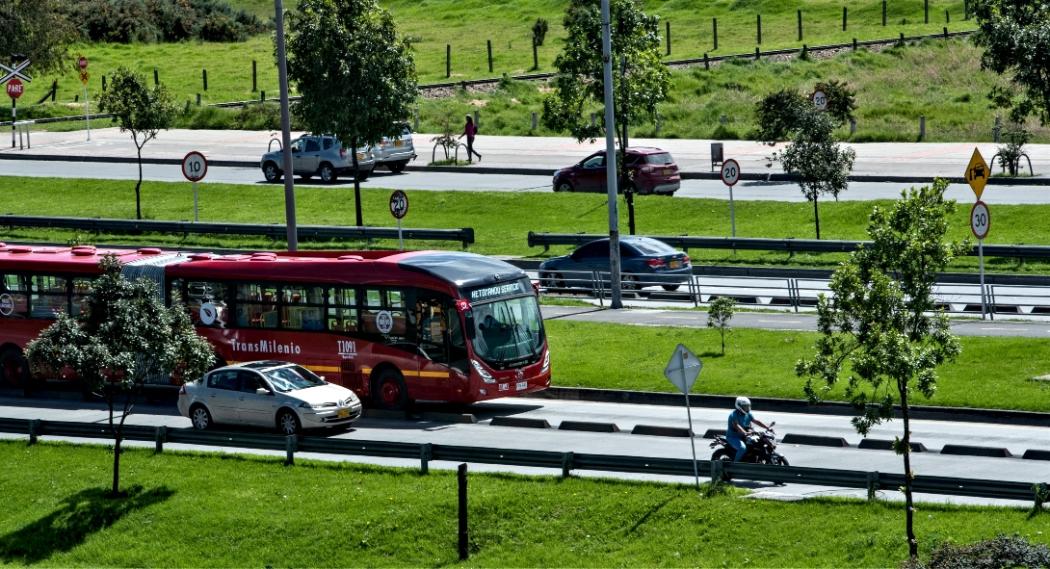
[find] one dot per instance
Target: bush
(1000, 552)
(146, 21)
(539, 31)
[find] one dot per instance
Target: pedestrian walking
(469, 131)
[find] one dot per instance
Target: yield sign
(977, 173)
(15, 71)
(683, 368)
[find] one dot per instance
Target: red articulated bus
(393, 326)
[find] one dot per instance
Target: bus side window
(14, 302)
(81, 287)
(342, 309)
(257, 306)
(302, 307)
(49, 296)
(205, 302)
(384, 314)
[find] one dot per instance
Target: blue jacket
(742, 419)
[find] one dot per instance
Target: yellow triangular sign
(977, 173)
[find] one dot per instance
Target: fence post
(800, 25)
(922, 127)
(566, 464)
(668, 26)
(262, 96)
(254, 77)
(159, 436)
(448, 60)
(852, 127)
(204, 78)
(290, 444)
(156, 76)
(426, 452)
(415, 123)
(759, 29)
(54, 90)
(198, 99)
(34, 430)
(717, 469)
(946, 33)
(488, 45)
(843, 18)
(461, 476)
(535, 120)
(714, 32)
(103, 82)
(707, 66)
(477, 119)
(884, 13)
(926, 11)
(947, 16)
(535, 55)
(758, 53)
(873, 484)
(997, 129)
(854, 44)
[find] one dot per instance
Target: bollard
(800, 25)
(290, 444)
(159, 436)
(448, 61)
(34, 430)
(902, 39)
(254, 77)
(714, 32)
(489, 46)
(156, 76)
(566, 464)
(759, 25)
(535, 120)
(426, 452)
(461, 477)
(922, 128)
(873, 485)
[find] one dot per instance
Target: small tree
(883, 321)
(38, 30)
(141, 110)
(1014, 34)
(355, 75)
(718, 316)
(821, 164)
(122, 335)
(641, 80)
(539, 31)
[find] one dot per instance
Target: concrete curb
(814, 440)
(774, 405)
(976, 451)
(882, 444)
(660, 431)
(520, 422)
(513, 171)
(589, 427)
(1035, 454)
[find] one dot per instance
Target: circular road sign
(398, 204)
(194, 166)
(82, 62)
(15, 88)
(730, 172)
(980, 220)
(820, 100)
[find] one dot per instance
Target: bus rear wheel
(389, 391)
(14, 369)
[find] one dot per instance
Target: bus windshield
(508, 331)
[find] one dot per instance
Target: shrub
(126, 21)
(1002, 551)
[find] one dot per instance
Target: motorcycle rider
(739, 425)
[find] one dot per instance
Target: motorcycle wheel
(778, 460)
(725, 456)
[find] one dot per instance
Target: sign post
(730, 176)
(82, 63)
(399, 208)
(194, 168)
(13, 76)
(682, 372)
(980, 223)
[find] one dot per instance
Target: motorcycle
(761, 449)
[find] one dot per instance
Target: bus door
(436, 328)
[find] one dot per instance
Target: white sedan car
(268, 394)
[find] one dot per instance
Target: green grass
(195, 510)
(496, 230)
(991, 372)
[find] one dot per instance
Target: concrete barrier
(520, 422)
(1036, 454)
(976, 451)
(660, 431)
(587, 426)
(814, 440)
(883, 444)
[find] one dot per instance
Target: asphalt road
(933, 434)
(474, 181)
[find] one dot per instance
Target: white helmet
(743, 404)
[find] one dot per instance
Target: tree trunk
(909, 523)
(723, 342)
(138, 186)
(357, 182)
(116, 463)
(816, 213)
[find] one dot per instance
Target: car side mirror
(263, 391)
(295, 150)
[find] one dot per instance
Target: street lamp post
(286, 133)
(610, 160)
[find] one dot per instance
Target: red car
(651, 170)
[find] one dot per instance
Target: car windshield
(660, 159)
(652, 247)
(508, 330)
(291, 378)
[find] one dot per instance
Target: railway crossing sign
(15, 72)
(977, 173)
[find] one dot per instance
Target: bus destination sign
(498, 291)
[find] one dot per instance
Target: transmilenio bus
(392, 326)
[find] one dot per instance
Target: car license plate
(399, 143)
(344, 412)
(521, 385)
(675, 264)
(668, 171)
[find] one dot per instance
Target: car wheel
(559, 280)
(563, 186)
(398, 167)
(200, 417)
(670, 288)
(389, 391)
(271, 172)
(630, 282)
(14, 369)
(364, 175)
(288, 422)
(327, 173)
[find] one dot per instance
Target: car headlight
(485, 376)
(317, 406)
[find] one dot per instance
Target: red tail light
(342, 153)
(655, 263)
(686, 260)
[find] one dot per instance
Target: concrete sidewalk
(521, 154)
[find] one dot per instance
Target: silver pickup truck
(317, 155)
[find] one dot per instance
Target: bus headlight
(546, 361)
(485, 376)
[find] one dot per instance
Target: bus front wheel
(389, 391)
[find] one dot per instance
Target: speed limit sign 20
(980, 220)
(730, 172)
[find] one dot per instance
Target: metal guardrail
(790, 246)
(465, 236)
(566, 461)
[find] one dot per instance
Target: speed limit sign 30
(980, 220)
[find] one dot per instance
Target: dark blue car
(644, 261)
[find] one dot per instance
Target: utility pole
(610, 160)
(286, 133)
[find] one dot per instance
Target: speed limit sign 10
(194, 166)
(980, 220)
(730, 172)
